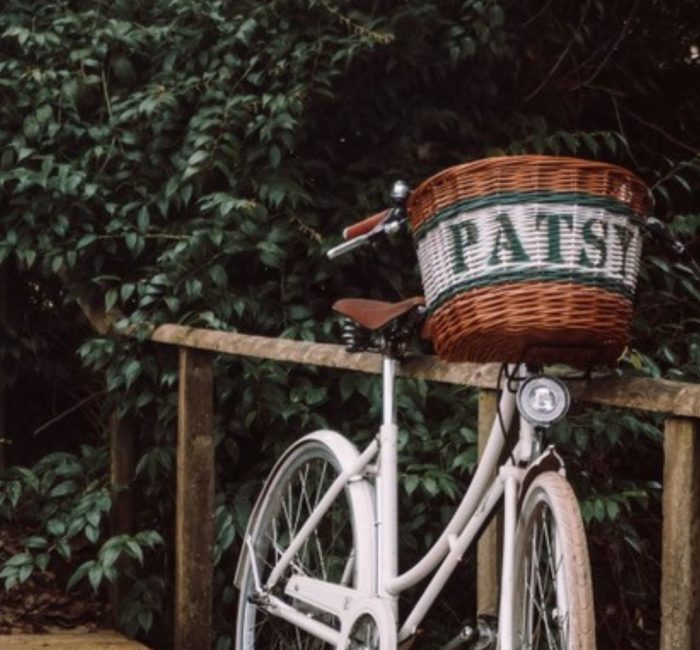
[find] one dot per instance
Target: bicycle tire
(553, 595)
(336, 551)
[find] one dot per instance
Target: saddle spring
(355, 337)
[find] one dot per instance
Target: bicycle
(319, 568)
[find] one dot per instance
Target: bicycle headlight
(543, 400)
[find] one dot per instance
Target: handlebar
(364, 226)
(390, 225)
(348, 246)
(385, 223)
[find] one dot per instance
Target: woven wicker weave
(529, 258)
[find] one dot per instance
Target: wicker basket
(529, 258)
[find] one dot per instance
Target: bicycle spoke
(317, 543)
(543, 588)
(545, 583)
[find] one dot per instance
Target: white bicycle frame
(478, 504)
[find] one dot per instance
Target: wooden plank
(323, 354)
(70, 641)
(680, 561)
(194, 524)
(488, 565)
(643, 393)
(122, 465)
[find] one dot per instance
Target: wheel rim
(327, 554)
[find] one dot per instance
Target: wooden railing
(680, 588)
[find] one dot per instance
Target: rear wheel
(334, 552)
(553, 597)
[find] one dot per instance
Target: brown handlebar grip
(364, 226)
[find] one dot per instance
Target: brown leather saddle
(376, 314)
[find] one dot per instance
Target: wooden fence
(680, 588)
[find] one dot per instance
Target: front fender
(548, 461)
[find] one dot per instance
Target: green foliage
(191, 160)
(104, 566)
(63, 500)
(63, 493)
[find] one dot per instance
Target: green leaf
(94, 517)
(134, 550)
(20, 559)
(92, 533)
(63, 549)
(42, 561)
(79, 574)
(411, 483)
(35, 542)
(590, 142)
(63, 489)
(683, 183)
(95, 574)
(197, 157)
(131, 371)
(612, 508)
(218, 276)
(44, 114)
(55, 527)
(143, 220)
(109, 556)
(111, 298)
(24, 572)
(126, 291)
(145, 618)
(86, 240)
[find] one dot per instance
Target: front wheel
(553, 596)
(338, 550)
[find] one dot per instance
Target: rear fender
(345, 453)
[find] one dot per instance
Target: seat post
(389, 365)
(387, 486)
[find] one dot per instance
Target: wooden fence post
(194, 524)
(487, 554)
(680, 560)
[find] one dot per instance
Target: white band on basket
(529, 242)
